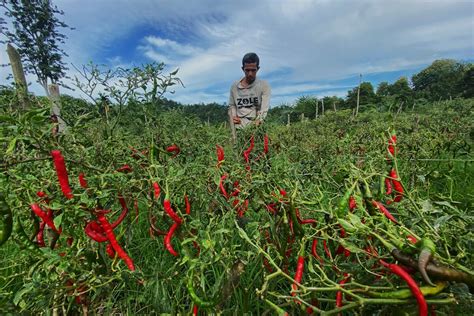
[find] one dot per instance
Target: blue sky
(306, 47)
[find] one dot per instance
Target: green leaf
(11, 146)
(58, 220)
(20, 293)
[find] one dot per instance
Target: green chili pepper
(428, 248)
(196, 299)
(406, 293)
(6, 220)
(22, 238)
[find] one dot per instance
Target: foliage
(37, 38)
(316, 162)
(439, 81)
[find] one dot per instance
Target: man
(249, 98)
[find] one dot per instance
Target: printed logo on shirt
(247, 102)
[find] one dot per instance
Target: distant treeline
(442, 80)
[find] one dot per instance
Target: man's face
(250, 71)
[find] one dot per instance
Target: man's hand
(236, 120)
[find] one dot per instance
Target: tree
(367, 95)
(383, 90)
(466, 86)
(306, 105)
(401, 90)
(35, 24)
(441, 80)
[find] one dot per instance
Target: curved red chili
(170, 212)
(61, 172)
(168, 236)
(222, 188)
(95, 232)
(249, 149)
(384, 211)
(422, 306)
(314, 250)
(298, 274)
(339, 293)
(113, 241)
(44, 216)
(124, 212)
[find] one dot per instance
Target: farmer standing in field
(249, 98)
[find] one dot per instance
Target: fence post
(18, 76)
(53, 90)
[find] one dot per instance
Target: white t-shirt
(249, 103)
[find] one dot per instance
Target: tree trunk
(334, 106)
(19, 76)
(317, 108)
(288, 119)
(56, 108)
(322, 107)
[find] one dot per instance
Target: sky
(306, 47)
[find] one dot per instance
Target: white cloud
(312, 41)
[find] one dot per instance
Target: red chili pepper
(396, 185)
(156, 190)
(415, 290)
(220, 154)
(271, 208)
(61, 172)
(40, 235)
(124, 212)
(95, 232)
(44, 216)
(314, 250)
(388, 186)
(384, 211)
(249, 149)
(265, 144)
(110, 251)
(412, 239)
(326, 249)
(352, 203)
(113, 241)
(298, 274)
(169, 210)
(222, 188)
(173, 149)
(82, 180)
(283, 192)
(339, 293)
(391, 143)
(125, 169)
(168, 236)
(41, 194)
(195, 310)
(188, 205)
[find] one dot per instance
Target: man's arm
(266, 93)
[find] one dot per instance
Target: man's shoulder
(263, 83)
